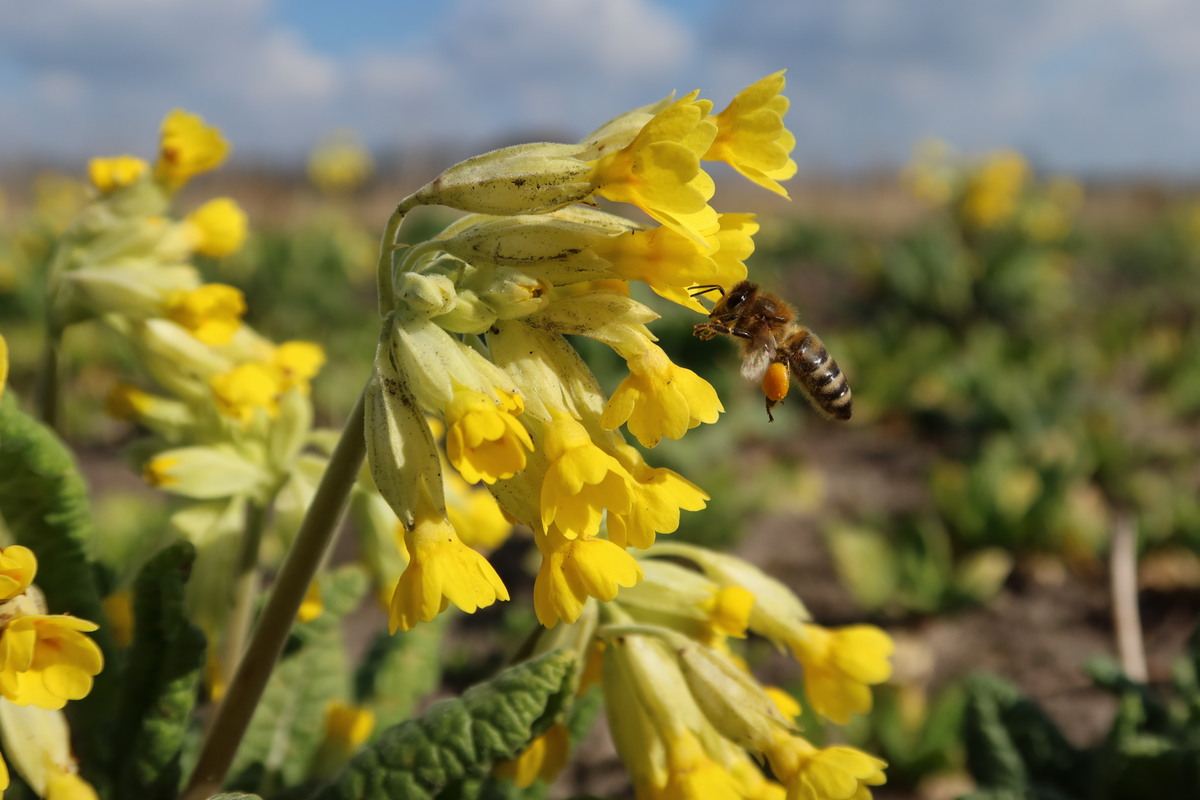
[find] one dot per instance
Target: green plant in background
(1014, 750)
(478, 413)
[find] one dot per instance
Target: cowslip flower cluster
(227, 410)
(474, 335)
(687, 716)
(46, 660)
(124, 255)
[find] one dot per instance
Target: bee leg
(707, 330)
(770, 405)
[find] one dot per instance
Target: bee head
(740, 293)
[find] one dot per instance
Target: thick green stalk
(47, 383)
(303, 559)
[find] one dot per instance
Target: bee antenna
(707, 288)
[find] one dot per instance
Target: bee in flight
(773, 345)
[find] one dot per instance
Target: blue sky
(1079, 85)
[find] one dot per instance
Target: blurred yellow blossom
(109, 174)
(217, 228)
(187, 147)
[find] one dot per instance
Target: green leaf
(398, 671)
(460, 739)
(234, 796)
(44, 502)
(166, 665)
(288, 725)
(1012, 744)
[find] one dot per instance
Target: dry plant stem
(245, 589)
(303, 559)
(1126, 619)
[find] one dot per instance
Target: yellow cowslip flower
(659, 398)
(205, 472)
(659, 171)
(542, 760)
(664, 259)
(117, 172)
(840, 665)
(751, 136)
(18, 565)
(217, 228)
(37, 746)
(574, 569)
(347, 728)
(992, 191)
(298, 363)
(187, 147)
(581, 479)
(312, 605)
(475, 515)
(656, 496)
(728, 611)
(484, 439)
(441, 570)
(246, 389)
(339, 164)
(787, 705)
(212, 312)
(691, 773)
(46, 660)
(831, 773)
(3, 364)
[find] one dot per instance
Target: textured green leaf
(462, 738)
(44, 502)
(287, 727)
(398, 671)
(1012, 744)
(166, 665)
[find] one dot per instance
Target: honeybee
(774, 344)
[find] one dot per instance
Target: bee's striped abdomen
(818, 374)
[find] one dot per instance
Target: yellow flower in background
(118, 610)
(246, 389)
(212, 312)
(581, 479)
(187, 147)
(659, 171)
(659, 398)
(751, 136)
(840, 665)
(117, 172)
(339, 163)
(484, 440)
(298, 362)
(574, 569)
(18, 565)
(475, 515)
(442, 570)
(312, 605)
(217, 228)
(993, 189)
(46, 660)
(542, 760)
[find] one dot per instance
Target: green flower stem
(387, 250)
(305, 556)
(47, 382)
(245, 588)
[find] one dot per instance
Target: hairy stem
(47, 382)
(303, 559)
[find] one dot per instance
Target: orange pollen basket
(775, 382)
